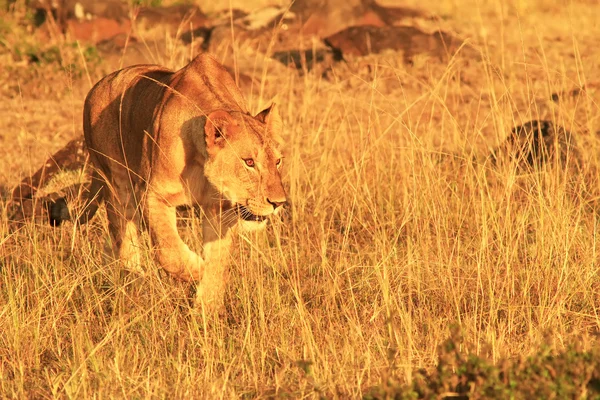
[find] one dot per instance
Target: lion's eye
(278, 162)
(249, 162)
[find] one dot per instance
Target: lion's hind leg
(123, 226)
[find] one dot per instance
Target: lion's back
(212, 85)
(114, 115)
(119, 85)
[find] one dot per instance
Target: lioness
(158, 139)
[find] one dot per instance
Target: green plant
(148, 3)
(569, 374)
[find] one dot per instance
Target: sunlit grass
(399, 228)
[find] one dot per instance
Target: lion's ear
(271, 117)
(219, 127)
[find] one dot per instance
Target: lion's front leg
(217, 254)
(170, 251)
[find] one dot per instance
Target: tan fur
(159, 139)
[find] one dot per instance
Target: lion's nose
(275, 203)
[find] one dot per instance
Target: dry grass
(389, 242)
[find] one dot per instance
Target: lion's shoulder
(207, 79)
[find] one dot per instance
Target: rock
(587, 89)
(234, 14)
(301, 59)
(115, 43)
(124, 50)
(117, 10)
(323, 24)
(324, 18)
(364, 40)
(396, 15)
(286, 45)
(97, 30)
(204, 33)
(65, 10)
(268, 17)
(174, 18)
(538, 142)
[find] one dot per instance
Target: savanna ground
(390, 245)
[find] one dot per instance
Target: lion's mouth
(246, 215)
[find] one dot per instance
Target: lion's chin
(249, 222)
(246, 215)
(251, 226)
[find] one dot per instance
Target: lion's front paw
(208, 300)
(192, 267)
(210, 290)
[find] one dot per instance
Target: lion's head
(244, 161)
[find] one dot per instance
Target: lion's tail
(58, 210)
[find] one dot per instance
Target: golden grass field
(388, 244)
